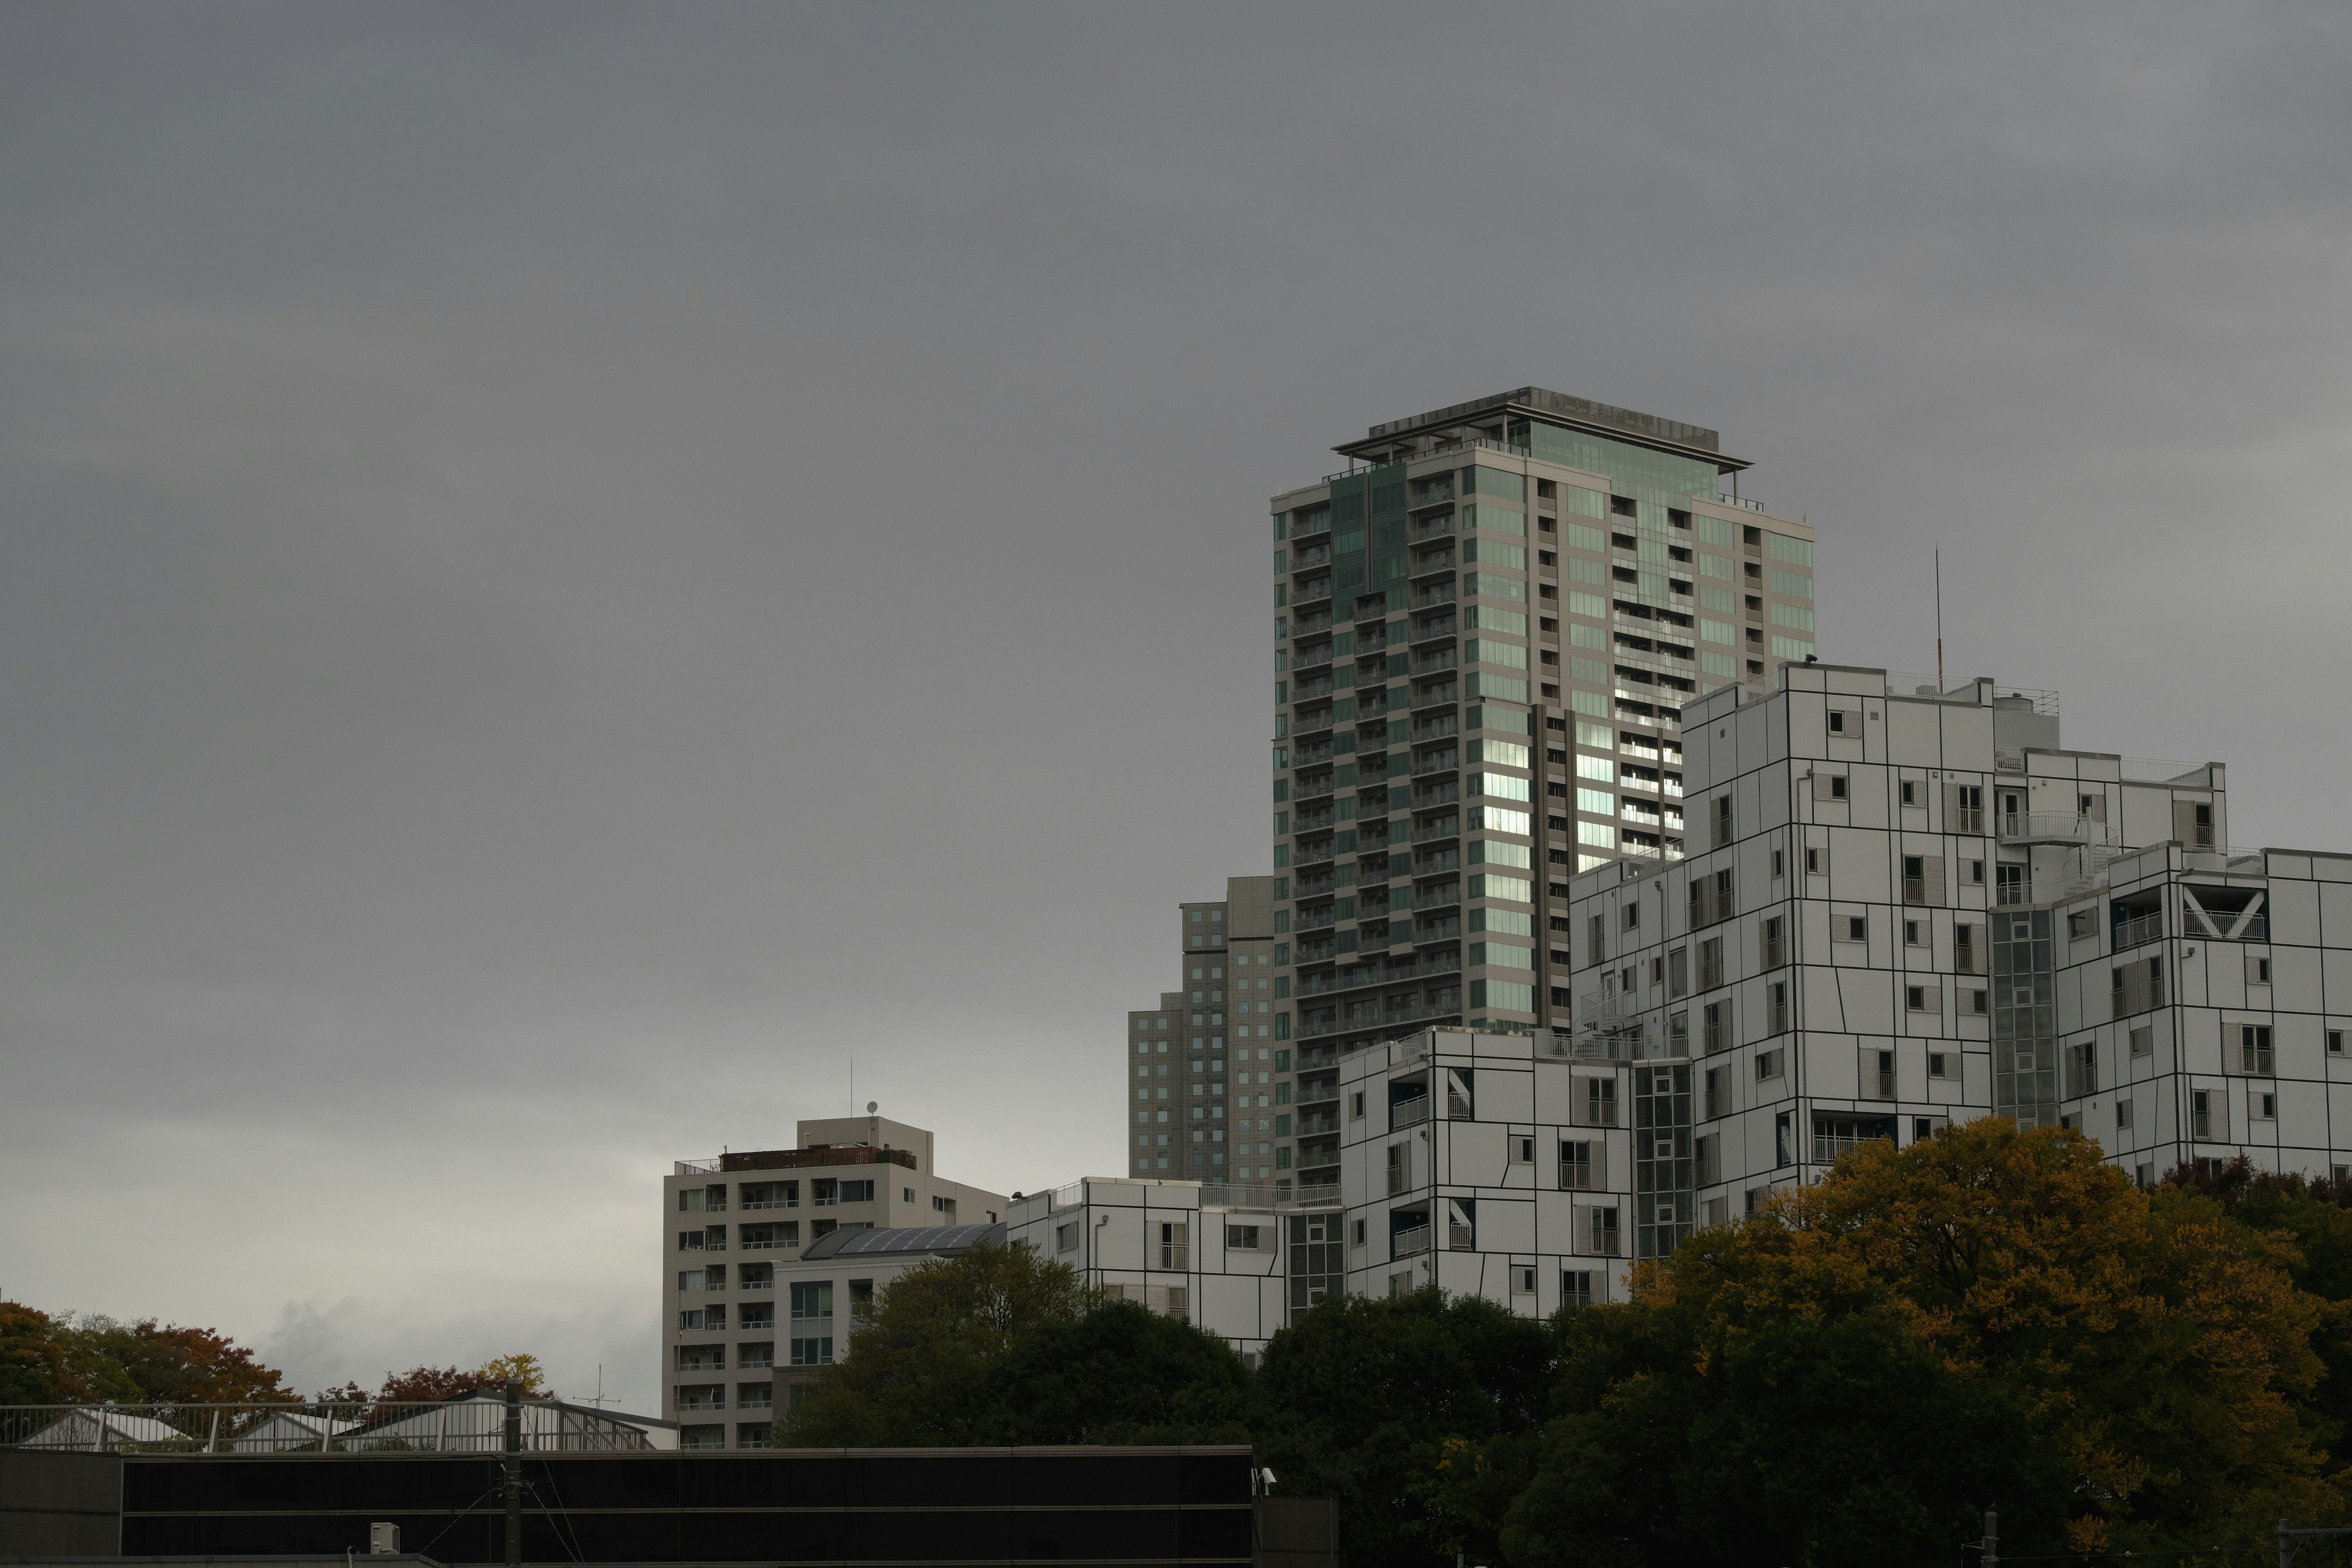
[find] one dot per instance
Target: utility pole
(1991, 1537)
(514, 1471)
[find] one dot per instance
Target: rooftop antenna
(598, 1398)
(1939, 623)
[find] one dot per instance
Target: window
(1976, 873)
(2258, 971)
(1356, 1234)
(1837, 786)
(1066, 1238)
(1939, 1064)
(1576, 1288)
(1720, 814)
(1601, 1102)
(1913, 934)
(2334, 1042)
(1910, 792)
(1922, 998)
(2265, 1108)
(2008, 883)
(1857, 928)
(1767, 1066)
(1582, 1168)
(2254, 1053)
(1603, 1232)
(2123, 1113)
(2143, 1040)
(2081, 1070)
(1241, 1238)
(1175, 1245)
(1523, 1150)
(2078, 925)
(824, 1193)
(2200, 1114)
(1812, 862)
(1837, 721)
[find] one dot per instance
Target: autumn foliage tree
(76, 1357)
(1986, 1315)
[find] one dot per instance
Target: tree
(1114, 1373)
(1419, 1413)
(917, 1373)
(145, 1362)
(429, 1385)
(36, 1366)
(2134, 1372)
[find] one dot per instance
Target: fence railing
(475, 1426)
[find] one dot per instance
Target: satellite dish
(872, 1106)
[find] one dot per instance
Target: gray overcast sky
(567, 572)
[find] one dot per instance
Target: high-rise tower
(1486, 629)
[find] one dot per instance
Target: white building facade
(1902, 906)
(734, 1234)
(1238, 1261)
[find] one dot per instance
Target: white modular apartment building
(1239, 1261)
(1903, 905)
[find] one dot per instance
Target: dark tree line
(1848, 1377)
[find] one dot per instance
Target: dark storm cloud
(565, 571)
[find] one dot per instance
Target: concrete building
(1487, 635)
(1203, 1062)
(733, 1225)
(1235, 1261)
(1902, 906)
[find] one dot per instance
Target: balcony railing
(2140, 930)
(1461, 1238)
(462, 1425)
(1827, 1146)
(1406, 1113)
(1409, 1243)
(2050, 827)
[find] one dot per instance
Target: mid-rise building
(1232, 1259)
(1903, 905)
(734, 1226)
(1487, 631)
(1201, 1065)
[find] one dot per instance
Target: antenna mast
(1939, 622)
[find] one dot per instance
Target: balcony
(1404, 1113)
(2050, 827)
(1429, 528)
(2145, 929)
(1432, 597)
(1441, 659)
(1409, 1243)
(1442, 762)
(1440, 828)
(1461, 1238)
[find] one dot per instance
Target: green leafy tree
(1114, 1373)
(1418, 1412)
(147, 1362)
(917, 1373)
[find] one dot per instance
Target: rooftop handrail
(464, 1424)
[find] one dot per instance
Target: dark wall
(64, 1505)
(960, 1506)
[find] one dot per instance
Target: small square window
(1357, 1235)
(1812, 862)
(1915, 933)
(1939, 1064)
(2266, 1108)
(1838, 786)
(1910, 792)
(1857, 928)
(1780, 864)
(1837, 721)
(1976, 872)
(2334, 1042)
